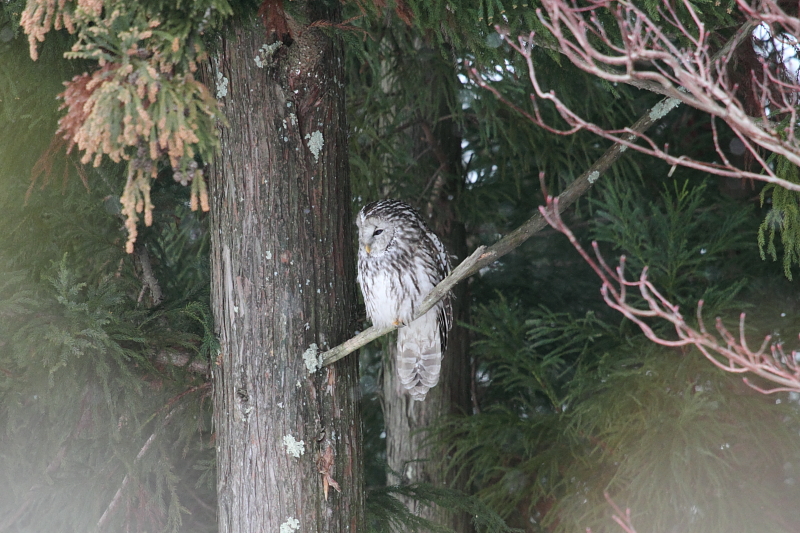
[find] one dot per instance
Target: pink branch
(623, 519)
(689, 75)
(725, 351)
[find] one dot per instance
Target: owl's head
(375, 233)
(387, 225)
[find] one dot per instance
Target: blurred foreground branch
(760, 106)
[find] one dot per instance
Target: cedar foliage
(87, 407)
(575, 403)
(571, 401)
(783, 217)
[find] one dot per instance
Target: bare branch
(725, 351)
(438, 292)
(690, 75)
(772, 14)
(182, 358)
(112, 505)
(149, 280)
(622, 519)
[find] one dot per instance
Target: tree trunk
(405, 420)
(282, 279)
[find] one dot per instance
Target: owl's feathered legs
(419, 355)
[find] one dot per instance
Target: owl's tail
(419, 355)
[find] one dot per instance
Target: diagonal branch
(462, 271)
(623, 139)
(117, 498)
(483, 257)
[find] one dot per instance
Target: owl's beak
(368, 249)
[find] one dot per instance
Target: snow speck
(295, 448)
(315, 143)
(268, 255)
(593, 176)
(290, 526)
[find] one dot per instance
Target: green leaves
(783, 217)
(143, 104)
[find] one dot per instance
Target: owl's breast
(393, 289)
(381, 297)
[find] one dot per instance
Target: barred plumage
(399, 261)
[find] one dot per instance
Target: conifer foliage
(147, 56)
(572, 407)
(105, 414)
(106, 329)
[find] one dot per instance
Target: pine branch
(483, 257)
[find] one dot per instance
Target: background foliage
(569, 399)
(87, 406)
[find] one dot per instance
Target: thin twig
(690, 75)
(112, 505)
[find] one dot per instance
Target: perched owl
(399, 261)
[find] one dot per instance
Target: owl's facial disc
(375, 237)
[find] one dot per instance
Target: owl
(399, 261)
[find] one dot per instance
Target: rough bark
(282, 279)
